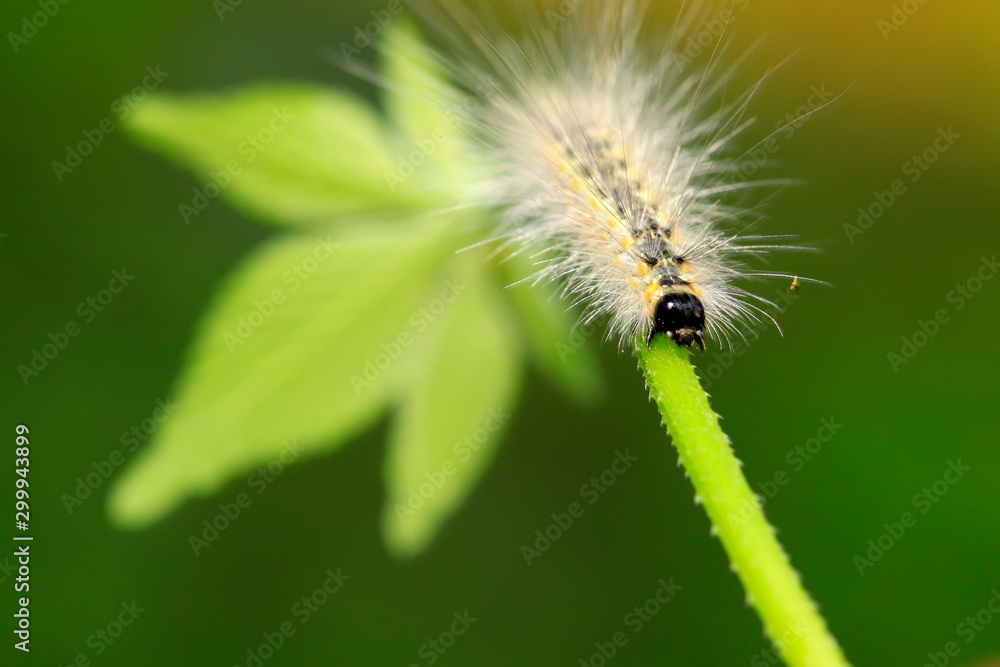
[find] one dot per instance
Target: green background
(900, 429)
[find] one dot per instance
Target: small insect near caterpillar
(608, 164)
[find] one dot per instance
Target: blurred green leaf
(311, 340)
(460, 396)
(291, 154)
(417, 93)
(290, 352)
(562, 350)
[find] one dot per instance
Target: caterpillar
(610, 165)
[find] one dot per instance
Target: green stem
(790, 617)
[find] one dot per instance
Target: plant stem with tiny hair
(791, 619)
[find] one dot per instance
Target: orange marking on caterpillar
(653, 293)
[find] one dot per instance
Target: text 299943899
(22, 553)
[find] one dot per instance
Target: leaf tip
(404, 540)
(140, 498)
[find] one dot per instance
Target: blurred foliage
(319, 333)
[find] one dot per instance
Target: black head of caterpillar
(681, 316)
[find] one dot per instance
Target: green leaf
(290, 353)
(292, 154)
(560, 348)
(417, 93)
(457, 401)
(435, 154)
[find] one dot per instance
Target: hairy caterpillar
(609, 165)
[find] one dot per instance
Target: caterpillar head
(681, 316)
